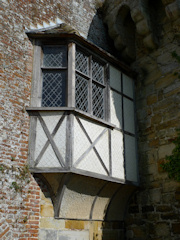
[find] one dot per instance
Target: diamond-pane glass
(81, 93)
(54, 88)
(97, 101)
(82, 63)
(54, 56)
(97, 71)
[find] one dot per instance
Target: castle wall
(26, 203)
(154, 209)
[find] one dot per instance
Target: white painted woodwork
(102, 147)
(40, 140)
(117, 154)
(81, 142)
(94, 149)
(90, 161)
(49, 158)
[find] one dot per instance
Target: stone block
(176, 228)
(152, 99)
(169, 216)
(165, 150)
(72, 235)
(148, 208)
(152, 169)
(46, 234)
(162, 229)
(172, 10)
(154, 217)
(136, 15)
(72, 224)
(129, 234)
(164, 81)
(168, 198)
(157, 118)
(170, 186)
(163, 208)
(149, 42)
(165, 2)
(47, 210)
(160, 169)
(112, 234)
(177, 196)
(50, 222)
(155, 195)
(142, 27)
(133, 209)
(154, 143)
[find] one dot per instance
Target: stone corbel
(142, 27)
(149, 42)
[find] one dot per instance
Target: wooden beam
(91, 147)
(57, 153)
(48, 141)
(71, 75)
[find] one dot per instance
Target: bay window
(82, 111)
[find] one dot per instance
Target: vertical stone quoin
(153, 211)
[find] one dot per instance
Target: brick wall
(19, 192)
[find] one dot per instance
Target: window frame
(70, 99)
(72, 41)
(59, 69)
(92, 81)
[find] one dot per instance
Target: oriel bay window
(82, 110)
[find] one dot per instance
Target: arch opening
(127, 34)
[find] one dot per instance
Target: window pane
(116, 108)
(129, 117)
(115, 78)
(97, 71)
(98, 101)
(81, 93)
(128, 87)
(55, 56)
(54, 89)
(82, 63)
(131, 158)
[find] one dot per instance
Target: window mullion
(90, 107)
(71, 75)
(107, 93)
(37, 75)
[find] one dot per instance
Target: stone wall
(154, 210)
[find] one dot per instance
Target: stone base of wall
(81, 230)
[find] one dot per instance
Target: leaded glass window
(54, 76)
(90, 85)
